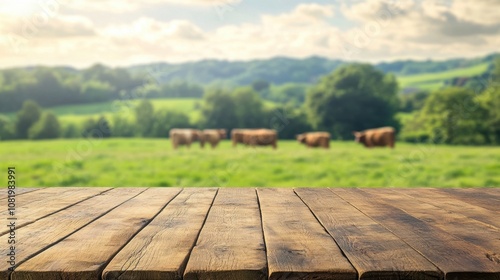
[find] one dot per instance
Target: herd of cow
(384, 136)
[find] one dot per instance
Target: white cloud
(121, 6)
(378, 30)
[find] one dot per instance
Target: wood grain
(480, 197)
(19, 191)
(374, 251)
(36, 205)
(161, 250)
(444, 201)
(45, 232)
(298, 247)
(457, 258)
(84, 254)
(472, 231)
(231, 244)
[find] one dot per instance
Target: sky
(80, 33)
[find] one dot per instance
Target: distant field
(79, 113)
(152, 162)
(433, 81)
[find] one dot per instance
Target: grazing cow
(315, 139)
(260, 137)
(377, 137)
(213, 136)
(186, 137)
(237, 136)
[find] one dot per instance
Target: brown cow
(213, 136)
(315, 139)
(377, 137)
(260, 137)
(186, 137)
(237, 136)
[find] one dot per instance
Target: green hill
(79, 113)
(433, 81)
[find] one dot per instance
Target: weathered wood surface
(209, 233)
(162, 249)
(456, 258)
(298, 247)
(231, 244)
(375, 252)
(18, 191)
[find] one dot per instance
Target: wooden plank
(298, 247)
(478, 197)
(444, 201)
(41, 234)
(470, 230)
(374, 251)
(457, 258)
(19, 191)
(84, 254)
(33, 206)
(161, 250)
(231, 243)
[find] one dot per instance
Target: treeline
(58, 86)
(467, 116)
(352, 98)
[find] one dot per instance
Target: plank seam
(57, 211)
(73, 232)
(327, 232)
(437, 205)
(186, 260)
(263, 235)
(424, 256)
(101, 269)
(34, 190)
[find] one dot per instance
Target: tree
(71, 130)
(165, 120)
(96, 129)
(260, 85)
(144, 115)
(219, 110)
(104, 127)
(249, 108)
(354, 97)
(6, 129)
(46, 128)
(453, 116)
(28, 115)
(123, 127)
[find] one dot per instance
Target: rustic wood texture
(457, 258)
(472, 231)
(362, 240)
(210, 233)
(83, 254)
(231, 245)
(38, 204)
(19, 191)
(485, 198)
(41, 234)
(298, 247)
(436, 198)
(162, 249)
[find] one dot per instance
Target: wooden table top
(230, 233)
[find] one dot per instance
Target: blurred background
(89, 91)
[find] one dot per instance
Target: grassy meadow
(153, 162)
(434, 81)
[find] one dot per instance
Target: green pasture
(434, 81)
(152, 162)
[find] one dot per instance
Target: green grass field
(434, 81)
(77, 114)
(152, 162)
